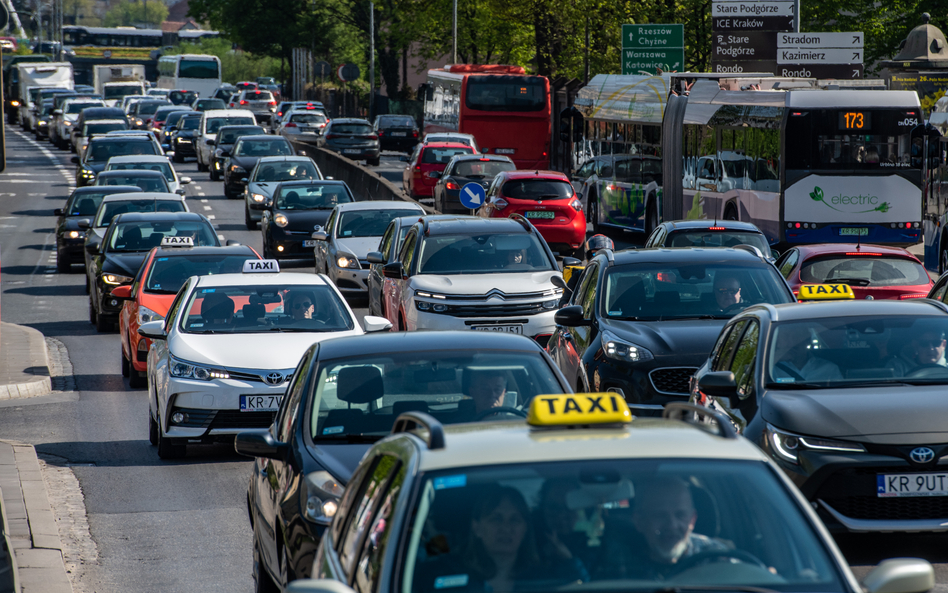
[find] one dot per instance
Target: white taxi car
(222, 357)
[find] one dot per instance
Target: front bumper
(647, 386)
(288, 244)
(183, 148)
(109, 306)
(73, 249)
(530, 324)
(349, 280)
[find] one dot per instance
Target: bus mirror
(429, 93)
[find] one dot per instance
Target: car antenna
(858, 241)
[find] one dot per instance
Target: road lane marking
(207, 207)
(221, 237)
(211, 217)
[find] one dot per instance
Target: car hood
(479, 284)
(305, 220)
(159, 303)
(126, 264)
(358, 246)
(96, 167)
(688, 340)
(245, 162)
(339, 460)
(266, 188)
(265, 351)
(889, 415)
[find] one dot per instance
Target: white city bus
(193, 72)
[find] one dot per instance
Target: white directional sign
(819, 56)
(820, 40)
(472, 195)
(754, 8)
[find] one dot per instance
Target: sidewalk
(27, 521)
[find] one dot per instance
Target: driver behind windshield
(727, 290)
(487, 388)
(925, 349)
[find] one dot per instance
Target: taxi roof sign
(578, 409)
(177, 241)
(825, 292)
(261, 266)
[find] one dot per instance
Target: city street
(158, 525)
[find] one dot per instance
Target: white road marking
(211, 217)
(204, 201)
(207, 207)
(200, 193)
(221, 237)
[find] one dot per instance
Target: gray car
(268, 173)
(302, 125)
(260, 102)
(353, 138)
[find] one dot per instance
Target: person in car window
(925, 349)
(300, 305)
(487, 389)
(727, 291)
(795, 358)
(217, 311)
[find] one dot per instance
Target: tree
(128, 13)
(81, 12)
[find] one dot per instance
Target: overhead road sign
(755, 23)
(472, 195)
(852, 40)
(653, 36)
(751, 9)
(839, 71)
(669, 60)
(819, 56)
(744, 45)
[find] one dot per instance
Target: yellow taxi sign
(578, 409)
(825, 292)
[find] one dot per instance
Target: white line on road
(200, 193)
(204, 201)
(221, 237)
(211, 217)
(207, 207)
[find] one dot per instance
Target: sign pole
(371, 60)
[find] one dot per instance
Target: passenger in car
(795, 358)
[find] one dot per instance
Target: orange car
(150, 296)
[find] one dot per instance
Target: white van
(211, 121)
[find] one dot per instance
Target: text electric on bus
(507, 111)
(193, 72)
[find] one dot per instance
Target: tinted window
(163, 168)
(865, 270)
(231, 136)
(74, 108)
(537, 189)
(262, 148)
(112, 209)
(481, 169)
(492, 253)
(85, 204)
(173, 118)
(285, 171)
(97, 128)
(397, 121)
(198, 69)
(434, 155)
(149, 183)
(355, 129)
(506, 93)
(707, 238)
(117, 92)
(142, 236)
(308, 118)
(167, 273)
(149, 108)
(318, 197)
(189, 123)
(368, 223)
(258, 96)
(101, 152)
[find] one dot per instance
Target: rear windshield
(149, 183)
(97, 128)
(216, 123)
(142, 236)
(179, 97)
(211, 104)
(355, 129)
(506, 93)
(112, 209)
(231, 136)
(708, 238)
(308, 118)
(537, 189)
(73, 108)
(263, 148)
(481, 169)
(117, 92)
(391, 122)
(258, 96)
(198, 69)
(100, 152)
(168, 274)
(317, 197)
(163, 168)
(434, 155)
(864, 270)
(368, 223)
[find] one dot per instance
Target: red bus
(507, 111)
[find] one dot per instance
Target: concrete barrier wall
(364, 183)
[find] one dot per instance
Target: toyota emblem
(277, 378)
(922, 455)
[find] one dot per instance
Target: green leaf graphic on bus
(817, 195)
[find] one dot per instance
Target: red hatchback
(427, 164)
(873, 271)
(546, 199)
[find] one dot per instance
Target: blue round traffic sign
(473, 195)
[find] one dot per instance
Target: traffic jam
(683, 365)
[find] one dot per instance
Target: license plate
(510, 329)
(854, 231)
(260, 403)
(309, 243)
(399, 134)
(351, 151)
(911, 485)
(541, 214)
(506, 150)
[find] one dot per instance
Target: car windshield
(481, 169)
(74, 108)
(285, 171)
(362, 395)
(313, 197)
(102, 128)
(189, 123)
(163, 168)
(492, 253)
(654, 292)
(260, 309)
(631, 525)
(865, 269)
(149, 183)
(263, 148)
(355, 129)
(368, 223)
(216, 123)
(110, 210)
(404, 121)
(207, 104)
(182, 97)
(167, 274)
(825, 352)
(117, 92)
(435, 155)
(308, 118)
(101, 152)
(85, 203)
(142, 236)
(726, 238)
(150, 107)
(231, 136)
(174, 117)
(537, 189)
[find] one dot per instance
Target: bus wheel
(730, 213)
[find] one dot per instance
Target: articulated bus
(507, 111)
(193, 72)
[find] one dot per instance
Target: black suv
(640, 322)
(102, 148)
(396, 132)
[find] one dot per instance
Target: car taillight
(414, 133)
(279, 114)
(417, 167)
(499, 203)
(913, 295)
(331, 136)
(290, 125)
(381, 133)
(452, 186)
(272, 103)
(242, 102)
(576, 205)
(369, 137)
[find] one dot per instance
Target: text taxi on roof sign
(261, 266)
(825, 292)
(177, 241)
(578, 409)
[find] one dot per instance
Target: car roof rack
(409, 421)
(749, 249)
(523, 222)
(701, 417)
(610, 255)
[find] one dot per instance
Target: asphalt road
(160, 526)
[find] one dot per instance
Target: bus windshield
(198, 69)
(506, 93)
(117, 92)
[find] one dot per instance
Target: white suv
(211, 121)
(488, 274)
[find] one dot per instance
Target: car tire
(169, 448)
(102, 324)
(374, 162)
(250, 224)
(87, 284)
(92, 314)
(136, 379)
(63, 265)
(125, 363)
(201, 168)
(177, 158)
(262, 583)
(214, 175)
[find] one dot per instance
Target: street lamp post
(371, 60)
(454, 34)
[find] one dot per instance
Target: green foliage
(82, 11)
(235, 65)
(128, 13)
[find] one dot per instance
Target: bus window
(506, 93)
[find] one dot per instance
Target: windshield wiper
(737, 588)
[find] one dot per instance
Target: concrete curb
(33, 530)
(24, 368)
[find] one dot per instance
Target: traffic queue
(683, 415)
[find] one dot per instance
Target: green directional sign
(653, 36)
(634, 61)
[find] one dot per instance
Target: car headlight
(322, 493)
(41, 122)
(145, 315)
(236, 169)
(116, 279)
(75, 235)
(87, 173)
(788, 445)
(622, 350)
(348, 261)
(67, 123)
(258, 198)
(138, 122)
(280, 220)
(550, 305)
(426, 306)
(186, 370)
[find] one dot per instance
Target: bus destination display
(855, 120)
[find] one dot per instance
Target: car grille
(905, 509)
(257, 376)
(497, 293)
(672, 380)
(504, 310)
(224, 419)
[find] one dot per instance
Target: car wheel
(177, 158)
(125, 363)
(92, 315)
(402, 326)
(153, 430)
(262, 583)
(214, 175)
(87, 283)
(374, 162)
(201, 167)
(136, 379)
(251, 224)
(102, 324)
(63, 265)
(169, 449)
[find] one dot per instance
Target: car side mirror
(154, 330)
(317, 586)
(558, 282)
(243, 180)
(393, 270)
(210, 142)
(184, 180)
(74, 160)
(123, 293)
(253, 444)
(179, 191)
(435, 175)
(58, 212)
(374, 257)
(571, 316)
(92, 248)
(319, 236)
(900, 575)
(571, 261)
(225, 154)
(231, 243)
(84, 223)
(719, 384)
(774, 253)
(372, 323)
(57, 111)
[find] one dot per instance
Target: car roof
(280, 279)
(227, 112)
(135, 158)
(382, 343)
(282, 158)
(497, 443)
(526, 174)
(158, 217)
(108, 121)
(111, 189)
(378, 205)
(705, 224)
(842, 248)
(686, 255)
(205, 250)
(444, 145)
(131, 172)
(261, 137)
(850, 308)
(142, 195)
(474, 224)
